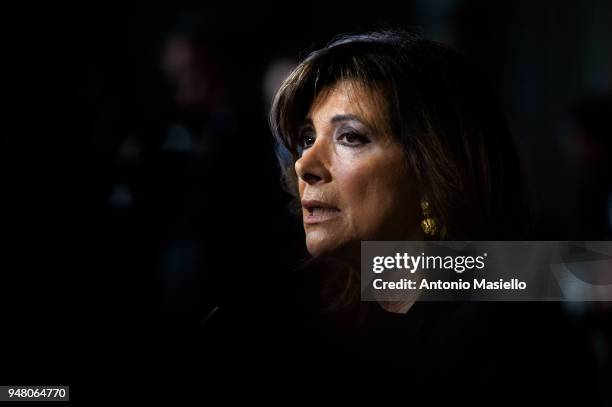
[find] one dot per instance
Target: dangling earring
(428, 224)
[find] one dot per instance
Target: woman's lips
(318, 211)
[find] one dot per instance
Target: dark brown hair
(440, 108)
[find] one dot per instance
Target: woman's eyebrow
(308, 123)
(345, 118)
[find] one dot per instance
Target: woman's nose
(311, 167)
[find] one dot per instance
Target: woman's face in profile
(353, 178)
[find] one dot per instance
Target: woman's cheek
(362, 208)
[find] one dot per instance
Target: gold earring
(428, 224)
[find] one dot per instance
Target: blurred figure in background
(180, 190)
(166, 178)
(193, 174)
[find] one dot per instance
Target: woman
(395, 138)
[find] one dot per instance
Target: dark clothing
(493, 353)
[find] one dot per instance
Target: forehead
(348, 98)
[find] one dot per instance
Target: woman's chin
(330, 248)
(318, 248)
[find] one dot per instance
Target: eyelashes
(352, 139)
(346, 137)
(306, 139)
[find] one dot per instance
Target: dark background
(131, 214)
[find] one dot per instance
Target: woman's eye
(353, 139)
(307, 140)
